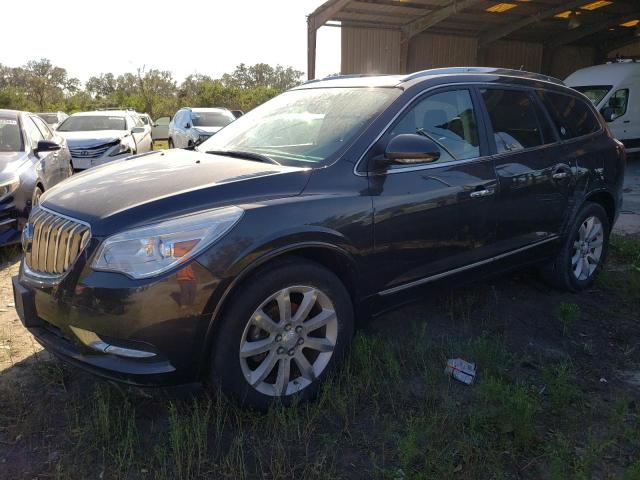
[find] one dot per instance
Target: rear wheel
(583, 251)
(284, 330)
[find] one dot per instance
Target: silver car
(53, 119)
(192, 126)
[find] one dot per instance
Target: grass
(389, 412)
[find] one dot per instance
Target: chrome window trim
(437, 276)
(468, 160)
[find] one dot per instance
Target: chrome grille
(93, 152)
(55, 242)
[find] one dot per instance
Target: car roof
(402, 81)
(207, 109)
(103, 113)
(5, 112)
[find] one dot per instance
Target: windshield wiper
(244, 155)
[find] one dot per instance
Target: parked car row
(245, 261)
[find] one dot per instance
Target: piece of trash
(603, 380)
(461, 370)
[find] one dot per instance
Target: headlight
(120, 149)
(148, 251)
(8, 186)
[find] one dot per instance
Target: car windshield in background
(211, 119)
(595, 93)
(10, 137)
(50, 118)
(87, 123)
(303, 126)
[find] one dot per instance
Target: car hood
(10, 162)
(208, 129)
(92, 139)
(151, 187)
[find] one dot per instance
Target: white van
(615, 90)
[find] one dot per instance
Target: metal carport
(547, 36)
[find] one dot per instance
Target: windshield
(87, 123)
(595, 93)
(303, 126)
(50, 118)
(211, 119)
(10, 137)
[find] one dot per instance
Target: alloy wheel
(587, 248)
(289, 340)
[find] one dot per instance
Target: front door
(433, 218)
(625, 124)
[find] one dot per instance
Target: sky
(187, 36)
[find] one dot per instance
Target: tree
(262, 75)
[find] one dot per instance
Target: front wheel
(284, 330)
(583, 251)
(171, 143)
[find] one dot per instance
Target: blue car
(33, 159)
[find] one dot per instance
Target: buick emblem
(27, 238)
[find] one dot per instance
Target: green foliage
(569, 314)
(41, 86)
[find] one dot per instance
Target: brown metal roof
(532, 20)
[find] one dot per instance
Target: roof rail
(483, 71)
(341, 77)
(109, 109)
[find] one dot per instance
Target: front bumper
(167, 317)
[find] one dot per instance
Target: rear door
(432, 219)
(534, 175)
(160, 128)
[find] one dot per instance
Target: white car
(102, 136)
(614, 88)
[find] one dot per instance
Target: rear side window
(571, 115)
(447, 118)
(514, 120)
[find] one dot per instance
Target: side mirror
(609, 114)
(187, 125)
(47, 146)
(137, 130)
(411, 149)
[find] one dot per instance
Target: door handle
(481, 193)
(560, 175)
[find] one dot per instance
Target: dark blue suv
(246, 261)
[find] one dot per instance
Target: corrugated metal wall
(513, 54)
(367, 50)
(568, 59)
(432, 51)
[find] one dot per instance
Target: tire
(171, 143)
(70, 171)
(580, 259)
(287, 343)
(153, 147)
(35, 197)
